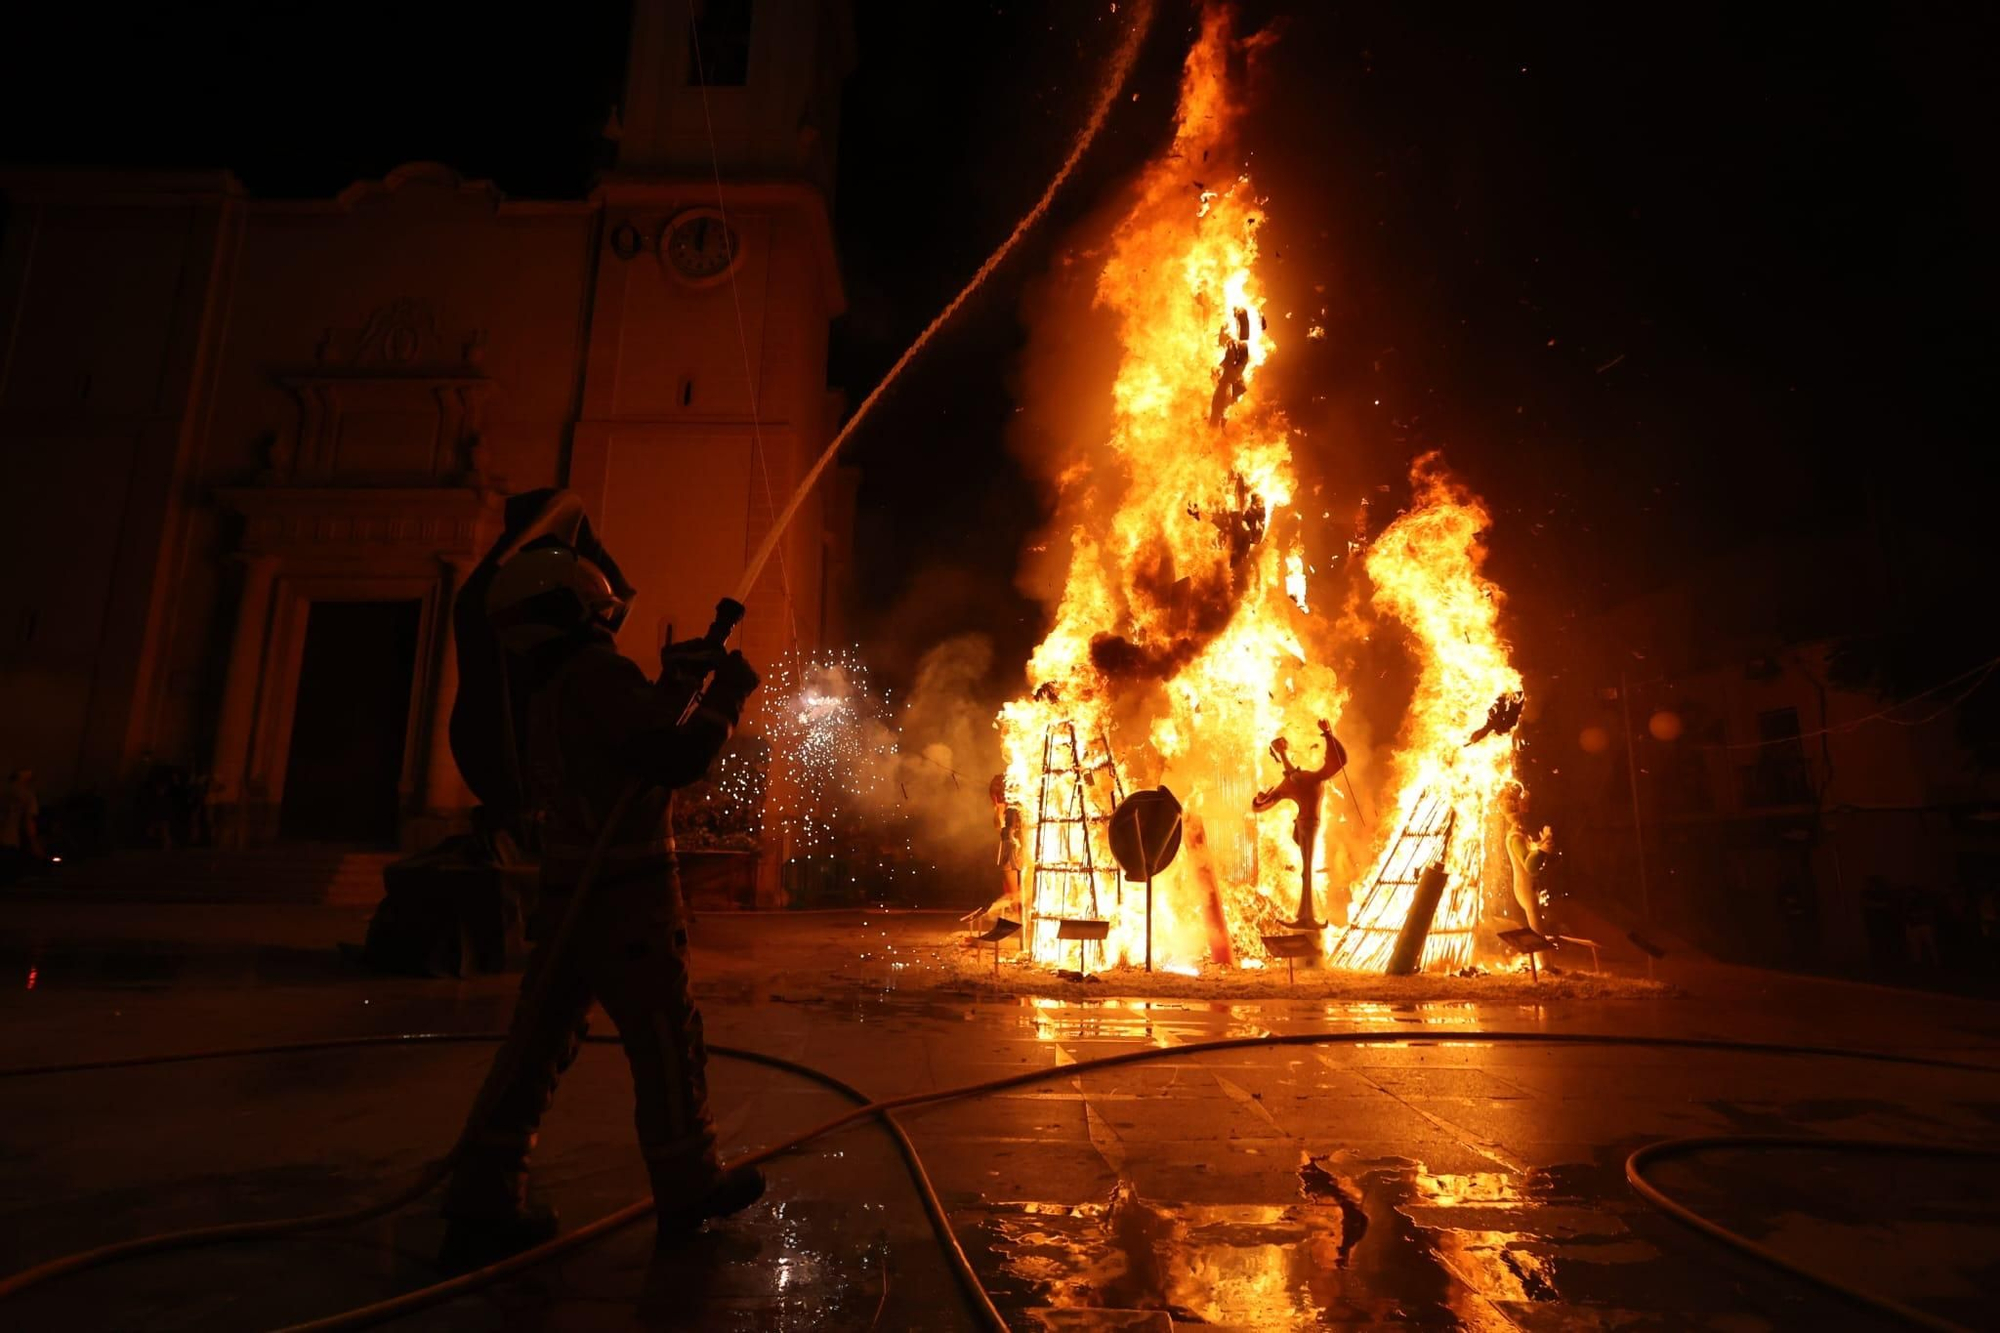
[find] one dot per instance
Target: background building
(1813, 790)
(252, 445)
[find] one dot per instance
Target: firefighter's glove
(687, 663)
(734, 679)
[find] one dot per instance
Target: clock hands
(700, 247)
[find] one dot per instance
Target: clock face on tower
(699, 246)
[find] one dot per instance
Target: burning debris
(1235, 360)
(1183, 637)
(1189, 611)
(1500, 718)
(1075, 875)
(1426, 572)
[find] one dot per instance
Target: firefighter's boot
(686, 1199)
(489, 1215)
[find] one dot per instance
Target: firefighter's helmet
(546, 592)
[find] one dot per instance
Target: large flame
(1179, 648)
(1426, 572)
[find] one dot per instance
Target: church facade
(251, 447)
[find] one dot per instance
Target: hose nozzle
(728, 615)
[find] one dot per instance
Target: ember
(833, 794)
(1183, 641)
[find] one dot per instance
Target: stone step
(340, 877)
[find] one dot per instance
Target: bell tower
(763, 75)
(705, 395)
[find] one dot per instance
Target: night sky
(1658, 283)
(1658, 286)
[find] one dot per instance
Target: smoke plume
(949, 753)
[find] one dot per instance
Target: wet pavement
(1423, 1179)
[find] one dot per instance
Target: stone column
(239, 696)
(446, 798)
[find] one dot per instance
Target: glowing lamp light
(1665, 725)
(1594, 740)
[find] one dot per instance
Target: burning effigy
(1186, 641)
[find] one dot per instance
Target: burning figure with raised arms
(1301, 787)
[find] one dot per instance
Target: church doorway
(350, 722)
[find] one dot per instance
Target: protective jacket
(595, 723)
(489, 713)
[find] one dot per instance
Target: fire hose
(1108, 87)
(883, 1111)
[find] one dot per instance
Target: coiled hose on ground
(982, 1305)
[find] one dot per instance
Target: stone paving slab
(1425, 1180)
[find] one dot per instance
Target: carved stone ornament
(429, 521)
(400, 336)
(278, 450)
(393, 402)
(478, 461)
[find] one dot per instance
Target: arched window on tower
(719, 55)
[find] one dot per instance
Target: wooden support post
(1149, 919)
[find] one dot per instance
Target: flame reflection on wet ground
(1359, 1238)
(1424, 1178)
(1367, 1240)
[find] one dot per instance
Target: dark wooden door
(349, 722)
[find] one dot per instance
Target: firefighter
(594, 725)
